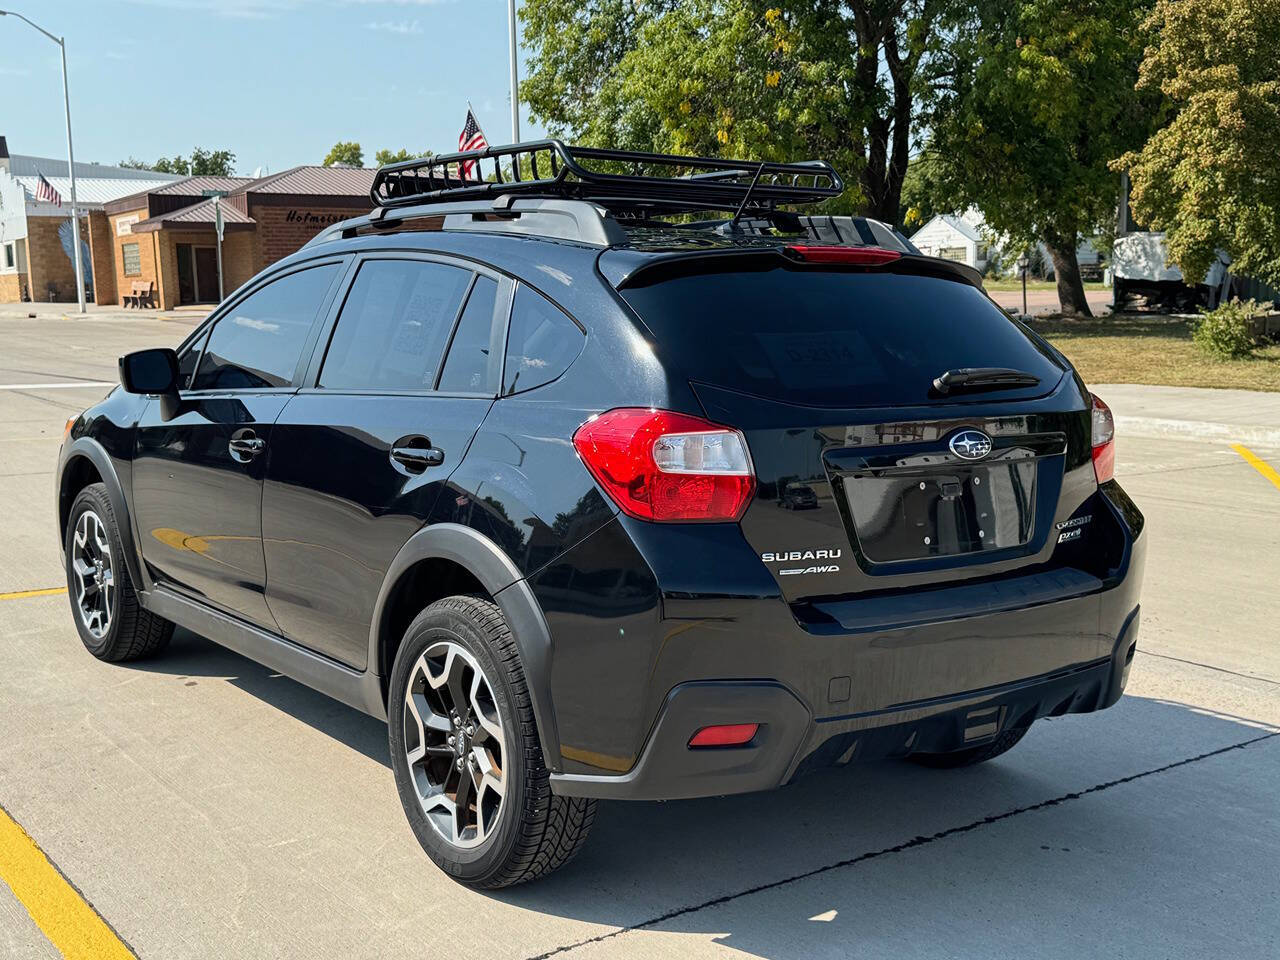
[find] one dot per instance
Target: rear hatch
(863, 483)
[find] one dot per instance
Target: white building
(34, 236)
(955, 237)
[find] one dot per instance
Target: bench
(141, 295)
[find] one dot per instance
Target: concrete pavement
(207, 807)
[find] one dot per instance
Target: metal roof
(194, 187)
(90, 191)
(23, 165)
(315, 181)
(197, 215)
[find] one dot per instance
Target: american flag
(45, 192)
(471, 138)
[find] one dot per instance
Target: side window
(393, 327)
(541, 343)
(258, 343)
(466, 370)
(187, 362)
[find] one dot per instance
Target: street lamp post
(71, 160)
(1023, 262)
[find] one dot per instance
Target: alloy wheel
(93, 575)
(455, 744)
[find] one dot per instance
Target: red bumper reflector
(725, 735)
(863, 256)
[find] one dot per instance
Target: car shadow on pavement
(189, 655)
(1070, 841)
(1122, 827)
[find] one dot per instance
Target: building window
(8, 255)
(953, 253)
(132, 260)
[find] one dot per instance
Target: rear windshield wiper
(983, 378)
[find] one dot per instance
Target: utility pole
(71, 159)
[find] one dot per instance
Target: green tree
(209, 163)
(385, 156)
(212, 163)
(178, 164)
(1211, 177)
(776, 80)
(1040, 99)
(920, 193)
(346, 152)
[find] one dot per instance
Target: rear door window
(466, 370)
(837, 339)
(394, 325)
(258, 343)
(541, 342)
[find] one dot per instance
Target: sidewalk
(1046, 301)
(1194, 413)
(68, 311)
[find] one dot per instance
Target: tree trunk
(1066, 270)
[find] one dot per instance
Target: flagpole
(515, 74)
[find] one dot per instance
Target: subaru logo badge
(970, 445)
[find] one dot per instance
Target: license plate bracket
(945, 510)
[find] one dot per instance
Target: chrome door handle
(416, 459)
(245, 446)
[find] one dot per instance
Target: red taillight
(658, 465)
(863, 256)
(725, 735)
(1104, 441)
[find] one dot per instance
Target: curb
(1197, 430)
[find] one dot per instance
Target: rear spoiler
(631, 268)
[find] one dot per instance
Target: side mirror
(150, 371)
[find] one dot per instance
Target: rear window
(834, 339)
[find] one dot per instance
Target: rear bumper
(791, 742)
(954, 670)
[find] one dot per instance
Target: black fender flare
(91, 450)
(489, 564)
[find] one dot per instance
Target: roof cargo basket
(624, 182)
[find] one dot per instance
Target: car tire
(104, 604)
(1004, 742)
(460, 649)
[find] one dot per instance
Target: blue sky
(277, 82)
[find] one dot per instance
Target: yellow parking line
(23, 594)
(1258, 464)
(57, 908)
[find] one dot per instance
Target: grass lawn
(1140, 348)
(991, 283)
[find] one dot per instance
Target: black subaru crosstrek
(502, 463)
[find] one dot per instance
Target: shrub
(1229, 331)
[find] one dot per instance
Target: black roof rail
(623, 181)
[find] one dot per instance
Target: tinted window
(187, 362)
(828, 338)
(541, 344)
(394, 325)
(467, 366)
(259, 342)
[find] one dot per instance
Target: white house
(955, 237)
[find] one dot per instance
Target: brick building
(165, 236)
(35, 236)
